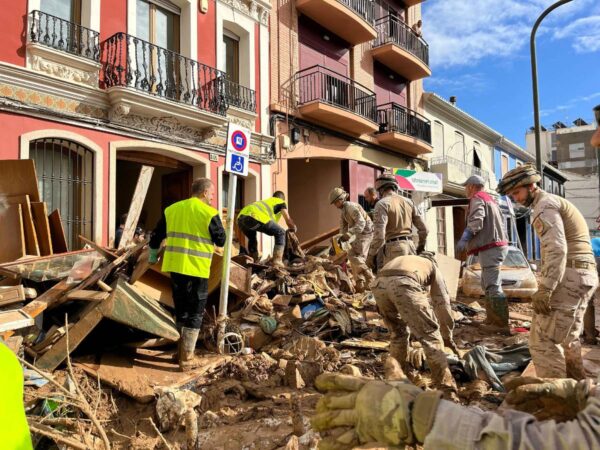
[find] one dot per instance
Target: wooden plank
(17, 176)
(92, 296)
(137, 202)
(103, 251)
(239, 277)
(11, 294)
(31, 240)
(57, 233)
(12, 241)
(142, 264)
(519, 316)
(450, 268)
(90, 317)
(42, 227)
(321, 237)
(156, 285)
(14, 320)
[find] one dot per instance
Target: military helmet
(337, 193)
(521, 176)
(386, 180)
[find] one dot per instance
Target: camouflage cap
(521, 176)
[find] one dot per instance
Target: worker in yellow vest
(192, 228)
(14, 431)
(263, 216)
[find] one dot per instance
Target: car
(518, 278)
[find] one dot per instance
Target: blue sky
(479, 51)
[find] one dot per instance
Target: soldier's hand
(420, 249)
(416, 356)
(540, 301)
(548, 398)
(356, 410)
(345, 237)
(153, 256)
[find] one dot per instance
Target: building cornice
(257, 10)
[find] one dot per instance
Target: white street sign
(238, 150)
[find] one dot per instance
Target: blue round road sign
(239, 141)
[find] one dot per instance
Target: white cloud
(474, 82)
(572, 103)
(462, 33)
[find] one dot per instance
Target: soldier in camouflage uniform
(568, 272)
(355, 222)
(400, 291)
(393, 219)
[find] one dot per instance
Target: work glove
(540, 301)
(461, 245)
(345, 237)
(357, 410)
(153, 256)
(416, 357)
(548, 398)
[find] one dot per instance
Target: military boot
(187, 348)
(399, 352)
(278, 256)
(496, 309)
(442, 378)
(368, 278)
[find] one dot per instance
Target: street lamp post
(534, 78)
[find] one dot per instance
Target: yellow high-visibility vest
(14, 430)
(189, 247)
(263, 210)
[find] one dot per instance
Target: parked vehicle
(518, 279)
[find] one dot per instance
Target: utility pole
(534, 78)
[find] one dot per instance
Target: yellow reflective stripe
(190, 237)
(188, 251)
(269, 211)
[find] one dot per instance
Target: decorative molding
(240, 121)
(63, 71)
(256, 10)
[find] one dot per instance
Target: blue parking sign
(237, 164)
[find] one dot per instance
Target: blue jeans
(250, 226)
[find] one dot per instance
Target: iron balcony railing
(364, 8)
(465, 168)
(63, 35)
(390, 29)
(396, 118)
(318, 83)
(129, 61)
(239, 96)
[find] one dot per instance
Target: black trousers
(189, 296)
(250, 226)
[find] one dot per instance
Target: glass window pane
(58, 8)
(143, 20)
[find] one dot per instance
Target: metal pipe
(534, 79)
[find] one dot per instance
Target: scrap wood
(18, 177)
(360, 343)
(54, 334)
(31, 240)
(58, 437)
(12, 244)
(11, 294)
(103, 251)
(519, 316)
(239, 277)
(14, 320)
(135, 208)
(320, 238)
(39, 211)
(156, 285)
(57, 233)
(142, 265)
(82, 294)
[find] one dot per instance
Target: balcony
(404, 130)
(63, 49)
(409, 3)
(455, 172)
(398, 47)
(352, 20)
(144, 79)
(327, 97)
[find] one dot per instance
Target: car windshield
(514, 258)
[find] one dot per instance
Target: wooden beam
(42, 227)
(31, 240)
(137, 202)
(57, 233)
(92, 296)
(321, 237)
(12, 236)
(103, 251)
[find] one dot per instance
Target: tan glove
(358, 410)
(416, 356)
(548, 398)
(541, 300)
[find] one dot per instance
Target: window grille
(441, 230)
(65, 173)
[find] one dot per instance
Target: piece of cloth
(394, 216)
(491, 275)
(250, 226)
(189, 297)
(486, 223)
(495, 363)
(263, 211)
(459, 428)
(426, 274)
(554, 338)
(406, 309)
(14, 431)
(563, 233)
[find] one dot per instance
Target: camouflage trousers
(394, 249)
(554, 338)
(357, 257)
(406, 309)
